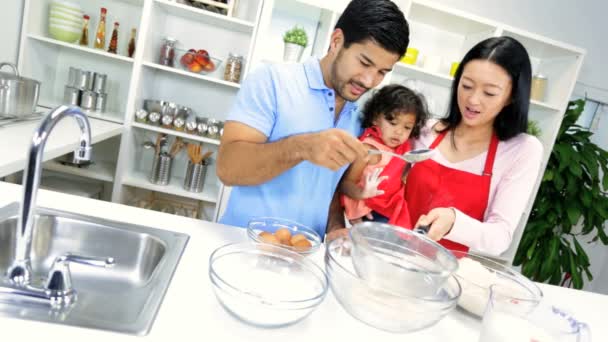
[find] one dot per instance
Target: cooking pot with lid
(18, 95)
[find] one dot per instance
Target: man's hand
(333, 148)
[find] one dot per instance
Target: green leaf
(577, 281)
(575, 169)
(580, 253)
(574, 214)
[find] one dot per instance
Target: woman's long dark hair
(511, 55)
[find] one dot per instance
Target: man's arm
(245, 158)
(335, 218)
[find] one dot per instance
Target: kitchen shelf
(191, 74)
(80, 48)
(139, 179)
(418, 73)
(544, 105)
(103, 171)
(175, 133)
(106, 116)
(197, 14)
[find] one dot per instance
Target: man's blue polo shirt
(281, 100)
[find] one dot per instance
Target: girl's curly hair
(393, 99)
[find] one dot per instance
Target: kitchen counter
(190, 309)
(15, 141)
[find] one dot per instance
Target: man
(291, 133)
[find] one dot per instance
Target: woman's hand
(440, 221)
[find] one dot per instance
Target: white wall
(580, 23)
(10, 19)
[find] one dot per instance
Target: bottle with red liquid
(113, 47)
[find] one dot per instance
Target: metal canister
(202, 126)
(88, 100)
(160, 173)
(141, 115)
(168, 113)
(213, 130)
(191, 123)
(84, 80)
(71, 96)
(154, 118)
(195, 176)
(100, 104)
(99, 83)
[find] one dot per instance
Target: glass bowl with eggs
(284, 233)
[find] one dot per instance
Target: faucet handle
(59, 281)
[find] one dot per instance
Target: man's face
(360, 67)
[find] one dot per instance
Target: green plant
(296, 36)
(533, 128)
(571, 202)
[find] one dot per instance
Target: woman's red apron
(432, 185)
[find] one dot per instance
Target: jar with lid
(538, 87)
(234, 65)
(167, 52)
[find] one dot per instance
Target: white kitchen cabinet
(132, 80)
(255, 31)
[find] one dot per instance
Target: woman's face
(483, 91)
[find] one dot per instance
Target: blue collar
(312, 68)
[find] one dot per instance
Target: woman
(474, 190)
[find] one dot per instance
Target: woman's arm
(505, 209)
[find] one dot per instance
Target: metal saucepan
(18, 95)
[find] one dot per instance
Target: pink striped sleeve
(514, 176)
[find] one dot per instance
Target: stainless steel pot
(18, 95)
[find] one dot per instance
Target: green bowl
(64, 34)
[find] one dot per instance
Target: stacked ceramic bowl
(65, 21)
(392, 278)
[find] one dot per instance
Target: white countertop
(15, 141)
(190, 309)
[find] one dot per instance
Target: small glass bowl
(193, 62)
(266, 285)
(272, 224)
(378, 306)
(476, 274)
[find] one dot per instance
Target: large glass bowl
(270, 225)
(266, 285)
(381, 308)
(400, 260)
(477, 273)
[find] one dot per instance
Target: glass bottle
(113, 47)
(131, 47)
(84, 38)
(232, 72)
(167, 52)
(100, 35)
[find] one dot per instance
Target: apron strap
(487, 170)
(489, 165)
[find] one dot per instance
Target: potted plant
(572, 202)
(295, 42)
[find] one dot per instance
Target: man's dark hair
(378, 20)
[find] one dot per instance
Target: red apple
(187, 59)
(209, 66)
(195, 67)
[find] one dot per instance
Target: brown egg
(297, 238)
(302, 245)
(283, 234)
(269, 238)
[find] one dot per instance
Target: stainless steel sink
(124, 298)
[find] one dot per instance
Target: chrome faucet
(58, 288)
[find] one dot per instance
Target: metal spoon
(412, 156)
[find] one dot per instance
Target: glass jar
(539, 86)
(167, 52)
(234, 64)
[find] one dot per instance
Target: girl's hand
(440, 221)
(360, 219)
(372, 181)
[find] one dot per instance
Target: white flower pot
(292, 52)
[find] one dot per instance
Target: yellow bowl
(410, 57)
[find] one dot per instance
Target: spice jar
(538, 88)
(234, 64)
(141, 115)
(167, 52)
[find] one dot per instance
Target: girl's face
(396, 131)
(483, 91)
